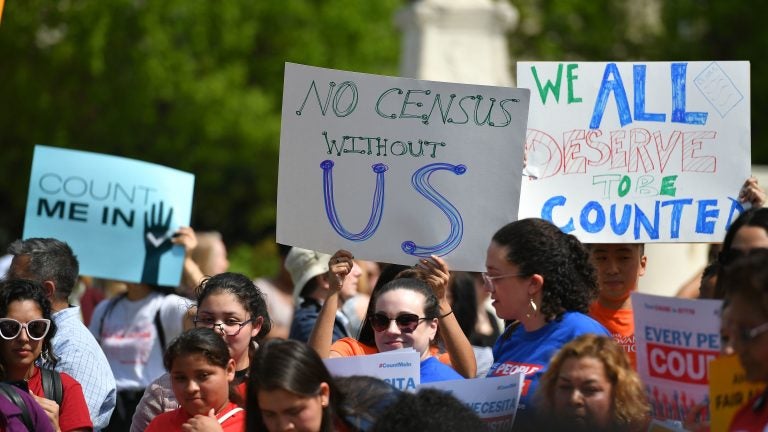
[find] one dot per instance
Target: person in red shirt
(619, 267)
(202, 372)
(26, 330)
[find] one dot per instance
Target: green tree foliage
(652, 30)
(192, 84)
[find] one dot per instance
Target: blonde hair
(630, 403)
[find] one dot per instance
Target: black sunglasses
(407, 323)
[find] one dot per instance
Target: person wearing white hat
(309, 271)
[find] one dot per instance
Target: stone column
(457, 40)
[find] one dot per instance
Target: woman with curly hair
(591, 386)
(542, 280)
(26, 330)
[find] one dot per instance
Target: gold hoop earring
(534, 308)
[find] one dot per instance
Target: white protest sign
(400, 368)
(394, 169)
(676, 339)
(494, 400)
(637, 152)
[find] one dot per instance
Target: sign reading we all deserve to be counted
(637, 152)
(117, 214)
(395, 169)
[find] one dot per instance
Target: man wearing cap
(309, 271)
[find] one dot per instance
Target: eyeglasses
(407, 323)
(488, 280)
(747, 335)
(36, 329)
(230, 328)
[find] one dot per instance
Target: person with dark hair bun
(232, 305)
(542, 280)
(289, 388)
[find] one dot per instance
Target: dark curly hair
(12, 290)
(537, 246)
(247, 293)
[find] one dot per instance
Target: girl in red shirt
(201, 377)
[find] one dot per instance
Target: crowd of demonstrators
(27, 328)
(234, 307)
(52, 263)
(542, 280)
(402, 313)
(591, 386)
(545, 284)
(202, 374)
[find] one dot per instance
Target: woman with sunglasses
(405, 314)
(26, 330)
(542, 280)
(232, 305)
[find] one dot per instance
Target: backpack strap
(12, 395)
(158, 323)
(110, 306)
(53, 388)
(159, 329)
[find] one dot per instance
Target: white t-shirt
(129, 336)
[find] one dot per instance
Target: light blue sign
(117, 214)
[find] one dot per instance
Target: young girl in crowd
(26, 330)
(543, 281)
(202, 372)
(405, 315)
(590, 385)
(233, 305)
(289, 388)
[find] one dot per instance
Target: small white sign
(400, 368)
(494, 400)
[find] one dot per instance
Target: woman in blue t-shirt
(542, 281)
